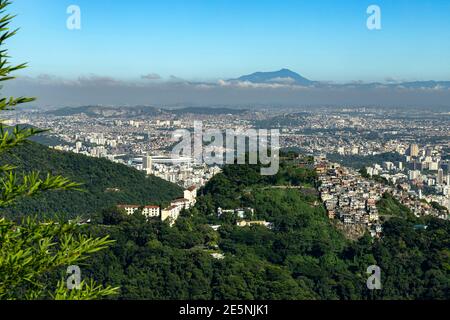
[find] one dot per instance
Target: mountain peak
(282, 76)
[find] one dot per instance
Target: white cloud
(94, 89)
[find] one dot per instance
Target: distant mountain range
(107, 112)
(288, 77)
(224, 96)
(140, 111)
(406, 85)
(285, 76)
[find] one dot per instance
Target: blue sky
(212, 39)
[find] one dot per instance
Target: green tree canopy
(31, 251)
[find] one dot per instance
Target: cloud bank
(152, 90)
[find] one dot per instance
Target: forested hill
(105, 184)
(303, 256)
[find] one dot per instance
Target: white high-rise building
(433, 166)
(147, 164)
(78, 146)
(413, 150)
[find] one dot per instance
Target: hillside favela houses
(170, 213)
(352, 198)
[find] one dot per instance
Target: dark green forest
(104, 184)
(358, 162)
(303, 256)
